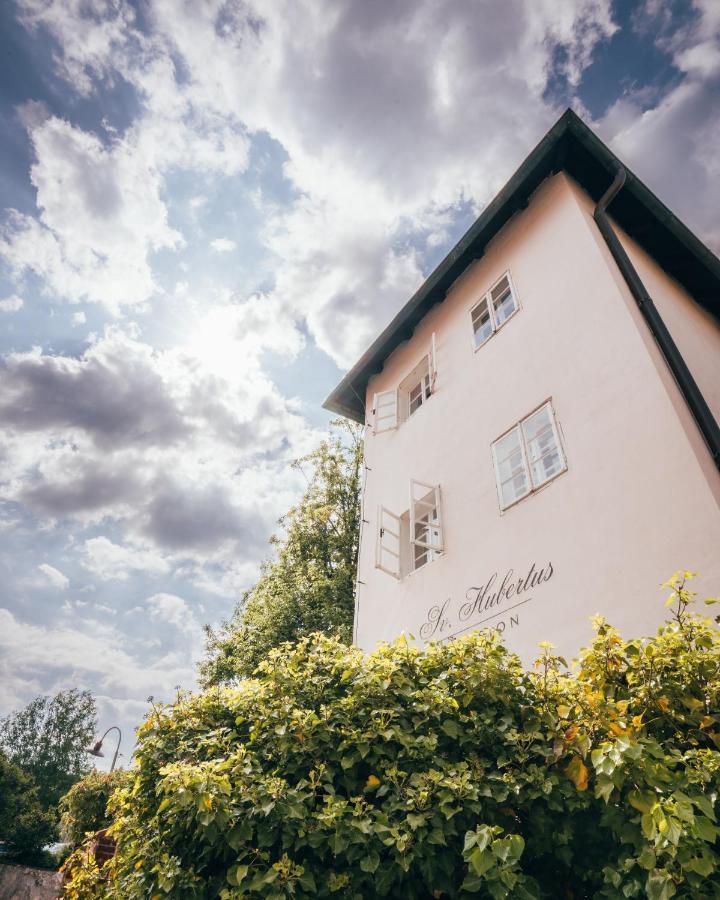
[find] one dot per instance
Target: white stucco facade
(639, 497)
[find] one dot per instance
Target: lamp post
(96, 750)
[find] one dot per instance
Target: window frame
(527, 466)
(432, 550)
(487, 297)
(396, 543)
(398, 399)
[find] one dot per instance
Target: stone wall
(24, 883)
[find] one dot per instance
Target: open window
(493, 310)
(426, 531)
(389, 543)
(392, 408)
(385, 411)
(409, 541)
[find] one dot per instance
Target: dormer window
(495, 308)
(392, 408)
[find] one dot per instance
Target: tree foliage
(309, 585)
(48, 739)
(83, 810)
(25, 827)
(445, 772)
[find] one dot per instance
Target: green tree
(25, 827)
(309, 585)
(83, 809)
(444, 772)
(48, 739)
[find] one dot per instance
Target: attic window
(493, 311)
(392, 408)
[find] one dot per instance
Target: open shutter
(426, 525)
(432, 364)
(387, 550)
(386, 411)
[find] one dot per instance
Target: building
(542, 441)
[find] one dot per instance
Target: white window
(392, 408)
(385, 410)
(407, 542)
(426, 533)
(528, 456)
(493, 310)
(389, 543)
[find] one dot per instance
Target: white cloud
(79, 318)
(114, 562)
(55, 577)
(223, 245)
(101, 215)
(386, 120)
(91, 653)
(672, 145)
(11, 304)
(168, 608)
(185, 450)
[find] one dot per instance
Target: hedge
(444, 772)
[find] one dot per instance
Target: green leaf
(481, 861)
(370, 862)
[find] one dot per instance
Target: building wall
(637, 500)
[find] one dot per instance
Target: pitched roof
(570, 146)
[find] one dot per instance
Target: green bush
(447, 772)
(83, 810)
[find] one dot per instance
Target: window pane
(420, 556)
(514, 488)
(512, 477)
(503, 301)
(482, 324)
(542, 446)
(507, 445)
(416, 398)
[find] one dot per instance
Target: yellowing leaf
(563, 711)
(571, 732)
(707, 721)
(637, 721)
(577, 772)
(663, 703)
(372, 782)
(617, 729)
(621, 706)
(642, 802)
(138, 864)
(207, 802)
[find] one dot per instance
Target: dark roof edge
(571, 146)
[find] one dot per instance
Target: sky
(208, 210)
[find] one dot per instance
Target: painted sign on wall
(483, 605)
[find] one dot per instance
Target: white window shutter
(426, 523)
(387, 549)
(432, 363)
(385, 410)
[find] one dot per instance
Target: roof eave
(551, 155)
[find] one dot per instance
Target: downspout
(689, 389)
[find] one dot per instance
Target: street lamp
(96, 750)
